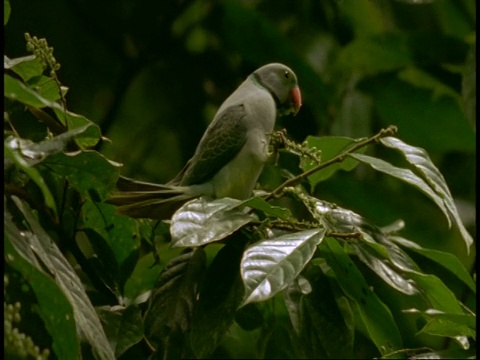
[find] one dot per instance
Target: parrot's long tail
(140, 199)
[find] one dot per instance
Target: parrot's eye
(286, 74)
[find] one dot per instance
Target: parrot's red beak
(296, 99)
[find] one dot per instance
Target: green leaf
(34, 153)
(315, 315)
(375, 314)
(447, 260)
(88, 138)
(123, 326)
(171, 305)
(436, 293)
(15, 90)
(86, 171)
(375, 54)
(120, 232)
(6, 11)
(53, 306)
(46, 87)
(330, 146)
(385, 269)
(54, 262)
(270, 210)
(202, 221)
(12, 154)
(439, 124)
(219, 298)
(405, 175)
(456, 326)
(469, 86)
(270, 265)
(26, 67)
(419, 158)
(422, 79)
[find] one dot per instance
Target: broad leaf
(419, 158)
(202, 221)
(15, 90)
(270, 210)
(124, 326)
(35, 153)
(270, 265)
(53, 306)
(52, 259)
(406, 175)
(322, 328)
(385, 269)
(86, 171)
(169, 314)
(376, 316)
(455, 326)
(219, 297)
(26, 67)
(447, 260)
(329, 146)
(13, 157)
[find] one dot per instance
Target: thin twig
(389, 131)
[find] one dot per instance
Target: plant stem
(389, 131)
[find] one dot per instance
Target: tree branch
(389, 131)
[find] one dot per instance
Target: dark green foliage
(388, 272)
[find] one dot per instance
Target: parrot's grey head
(282, 83)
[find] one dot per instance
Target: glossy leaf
(385, 270)
(54, 262)
(419, 158)
(405, 175)
(447, 260)
(202, 221)
(270, 265)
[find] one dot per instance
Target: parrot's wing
(220, 143)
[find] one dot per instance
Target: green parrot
(231, 154)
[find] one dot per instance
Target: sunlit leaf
(202, 221)
(270, 265)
